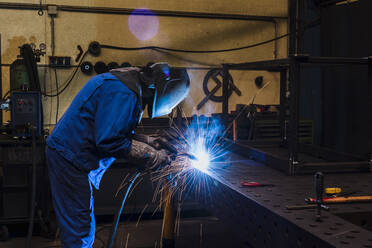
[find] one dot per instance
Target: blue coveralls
(95, 129)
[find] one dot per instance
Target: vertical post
(300, 41)
(168, 219)
(1, 83)
(276, 41)
(292, 26)
(283, 105)
(369, 118)
(225, 90)
(294, 73)
(235, 133)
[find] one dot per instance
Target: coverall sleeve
(114, 123)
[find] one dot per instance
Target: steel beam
(225, 90)
(369, 118)
(294, 102)
(304, 59)
(292, 27)
(1, 82)
(128, 11)
(283, 104)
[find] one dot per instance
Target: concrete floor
(147, 234)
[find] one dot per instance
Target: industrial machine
(22, 148)
(24, 97)
(26, 112)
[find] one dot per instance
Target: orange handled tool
(349, 199)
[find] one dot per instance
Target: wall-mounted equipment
(23, 71)
(94, 48)
(100, 67)
(59, 62)
(112, 65)
(125, 64)
(86, 68)
(19, 78)
(216, 75)
(26, 112)
(259, 82)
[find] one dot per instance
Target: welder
(98, 128)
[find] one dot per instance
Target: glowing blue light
(143, 24)
(202, 162)
(167, 72)
(203, 142)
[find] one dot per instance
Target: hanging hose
(117, 216)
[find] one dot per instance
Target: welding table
(260, 218)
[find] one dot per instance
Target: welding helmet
(170, 86)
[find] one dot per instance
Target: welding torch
(160, 143)
(168, 204)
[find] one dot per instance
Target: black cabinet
(16, 178)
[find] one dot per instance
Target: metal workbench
(259, 215)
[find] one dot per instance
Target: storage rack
(289, 155)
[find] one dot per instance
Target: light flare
(202, 160)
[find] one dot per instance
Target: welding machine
(26, 112)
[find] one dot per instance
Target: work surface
(260, 216)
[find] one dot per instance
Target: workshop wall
(72, 29)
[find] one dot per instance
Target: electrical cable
(193, 51)
(155, 48)
(118, 214)
(57, 107)
(68, 82)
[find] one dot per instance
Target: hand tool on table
(255, 184)
(337, 192)
(318, 201)
(343, 199)
(333, 191)
(306, 206)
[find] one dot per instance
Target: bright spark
(202, 160)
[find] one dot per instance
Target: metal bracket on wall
(215, 75)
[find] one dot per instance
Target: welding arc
(117, 216)
(155, 48)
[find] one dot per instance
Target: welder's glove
(154, 141)
(146, 156)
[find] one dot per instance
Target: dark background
(337, 98)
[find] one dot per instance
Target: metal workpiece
(260, 217)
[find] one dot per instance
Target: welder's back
(98, 123)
